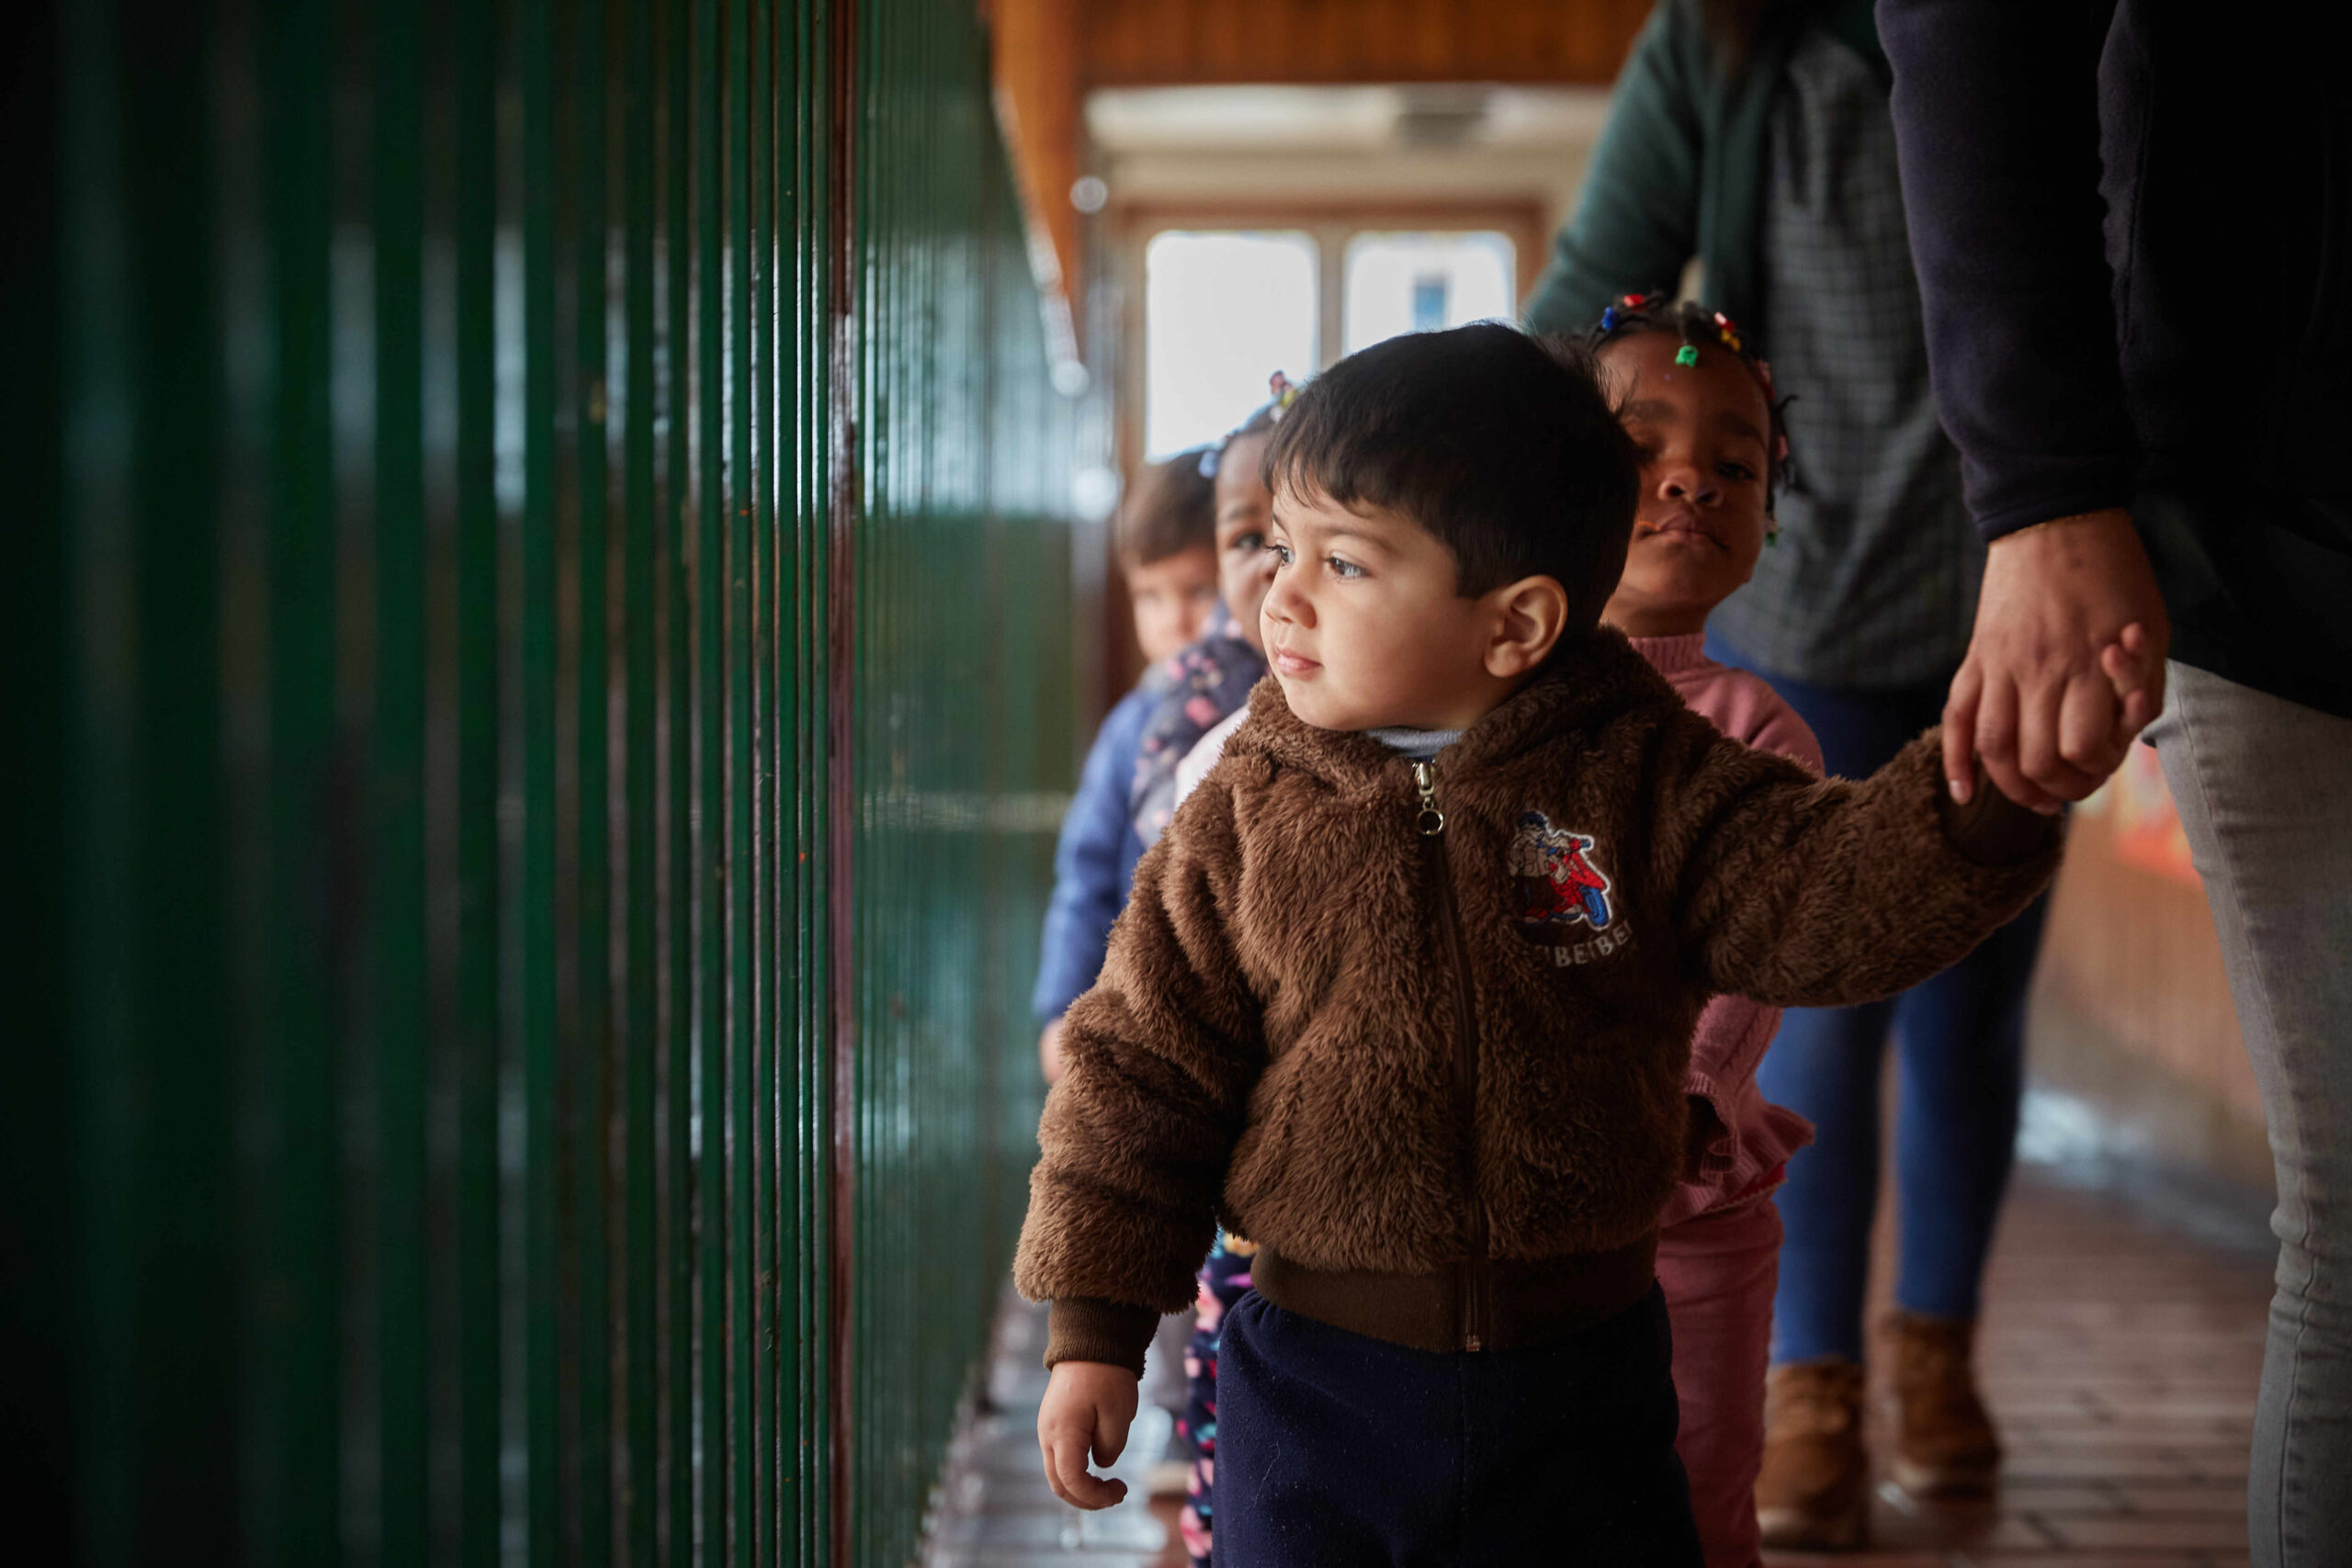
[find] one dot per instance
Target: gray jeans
(2264, 791)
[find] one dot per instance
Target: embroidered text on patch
(1560, 888)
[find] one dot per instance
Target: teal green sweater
(1680, 170)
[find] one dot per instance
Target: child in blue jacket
(1166, 543)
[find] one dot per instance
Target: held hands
(2067, 665)
(1087, 1404)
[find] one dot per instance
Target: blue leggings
(1960, 1038)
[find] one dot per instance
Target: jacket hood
(1583, 686)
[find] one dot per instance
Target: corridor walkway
(2120, 1358)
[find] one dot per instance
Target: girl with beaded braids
(1757, 141)
(1698, 399)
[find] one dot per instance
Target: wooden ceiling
(1050, 53)
(1160, 43)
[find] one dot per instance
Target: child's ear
(1529, 616)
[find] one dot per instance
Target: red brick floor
(2119, 1357)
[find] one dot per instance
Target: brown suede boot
(1944, 1444)
(1814, 1487)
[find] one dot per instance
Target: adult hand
(2067, 664)
(1049, 1052)
(1088, 1405)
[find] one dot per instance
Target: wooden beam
(1038, 90)
(1163, 43)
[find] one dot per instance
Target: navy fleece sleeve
(1092, 862)
(1996, 122)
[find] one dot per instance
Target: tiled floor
(2119, 1359)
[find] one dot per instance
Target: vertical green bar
(643, 888)
(794, 348)
(876, 281)
(824, 168)
(478, 939)
(398, 878)
(39, 1424)
(587, 135)
(739, 879)
(299, 1076)
(680, 277)
(765, 952)
(678, 515)
(152, 1197)
(798, 1458)
(535, 66)
(711, 771)
(869, 954)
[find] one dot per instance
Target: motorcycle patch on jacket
(1560, 888)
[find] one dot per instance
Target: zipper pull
(1431, 821)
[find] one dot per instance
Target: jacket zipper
(1475, 1290)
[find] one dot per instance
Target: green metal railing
(543, 667)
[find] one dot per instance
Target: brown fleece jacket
(1274, 1039)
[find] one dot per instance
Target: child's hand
(2137, 673)
(1049, 1052)
(1087, 1404)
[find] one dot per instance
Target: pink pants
(1718, 1272)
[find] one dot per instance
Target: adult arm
(1636, 220)
(1996, 122)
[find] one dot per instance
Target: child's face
(1172, 598)
(1703, 430)
(1244, 565)
(1363, 626)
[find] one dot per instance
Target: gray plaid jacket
(1873, 581)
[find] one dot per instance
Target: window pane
(1222, 312)
(1419, 283)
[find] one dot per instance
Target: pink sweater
(1745, 1160)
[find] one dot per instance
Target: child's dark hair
(1695, 326)
(1172, 510)
(1504, 448)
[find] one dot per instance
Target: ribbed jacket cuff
(1088, 1329)
(1991, 830)
(1719, 1153)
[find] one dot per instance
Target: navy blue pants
(1960, 1038)
(1339, 1451)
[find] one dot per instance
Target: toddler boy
(1406, 992)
